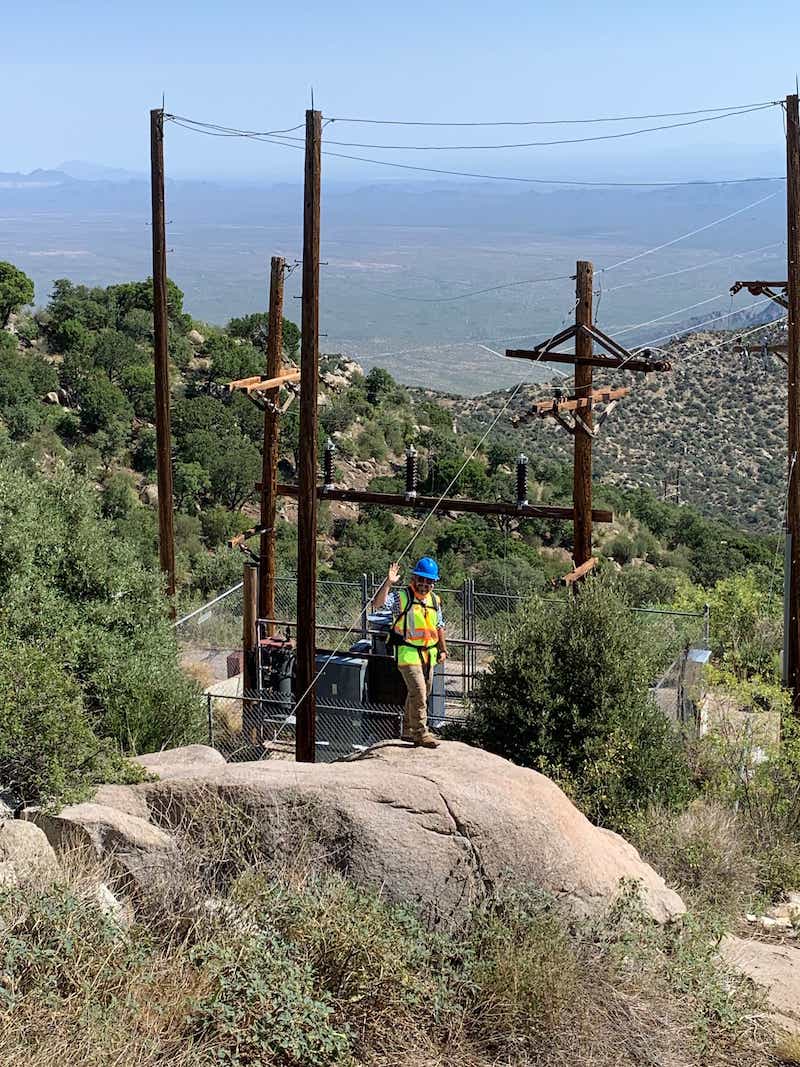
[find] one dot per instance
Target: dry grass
(238, 960)
(787, 1049)
(704, 853)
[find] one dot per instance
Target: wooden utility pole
(306, 709)
(582, 463)
(793, 363)
(166, 537)
(576, 414)
(269, 460)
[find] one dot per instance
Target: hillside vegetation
(717, 420)
(77, 445)
(284, 967)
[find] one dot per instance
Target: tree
(191, 483)
(234, 468)
(138, 384)
(255, 329)
(231, 359)
(24, 379)
(16, 290)
(103, 404)
(115, 352)
(379, 385)
(88, 655)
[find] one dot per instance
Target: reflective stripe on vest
(421, 622)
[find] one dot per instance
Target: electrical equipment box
(343, 678)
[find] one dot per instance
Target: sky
(79, 77)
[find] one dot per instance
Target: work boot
(409, 738)
(426, 740)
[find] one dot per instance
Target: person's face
(422, 586)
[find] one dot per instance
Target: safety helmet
(426, 568)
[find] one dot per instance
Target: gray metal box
(342, 680)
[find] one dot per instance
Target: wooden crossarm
(611, 362)
(757, 347)
(776, 291)
(612, 347)
(579, 403)
(473, 507)
(580, 572)
(259, 383)
(239, 539)
(750, 286)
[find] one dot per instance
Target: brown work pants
(418, 689)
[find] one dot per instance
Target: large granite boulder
(436, 828)
(135, 850)
(25, 854)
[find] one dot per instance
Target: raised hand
(393, 574)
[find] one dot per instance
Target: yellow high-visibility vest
(416, 628)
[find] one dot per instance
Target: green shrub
(744, 767)
(79, 600)
(568, 694)
(620, 549)
(263, 1008)
(49, 751)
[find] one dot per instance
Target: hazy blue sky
(78, 79)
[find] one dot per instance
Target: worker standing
(418, 636)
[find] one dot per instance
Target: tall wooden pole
(269, 458)
(793, 362)
(306, 710)
(166, 537)
(582, 460)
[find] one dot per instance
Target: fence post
(364, 605)
(210, 714)
(473, 635)
(464, 648)
(706, 624)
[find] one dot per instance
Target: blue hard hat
(426, 568)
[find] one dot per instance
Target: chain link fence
(359, 695)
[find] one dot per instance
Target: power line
(563, 122)
(214, 130)
(699, 325)
(545, 144)
(473, 292)
(617, 330)
(267, 138)
(696, 266)
(686, 236)
(535, 181)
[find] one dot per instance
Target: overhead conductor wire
(279, 138)
(544, 144)
(564, 122)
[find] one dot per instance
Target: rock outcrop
(774, 967)
(25, 854)
(436, 828)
